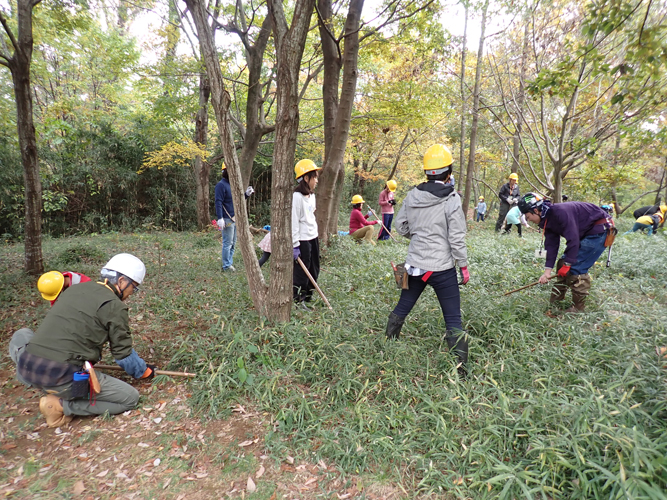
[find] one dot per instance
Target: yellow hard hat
(663, 208)
(392, 185)
(303, 167)
(223, 166)
(437, 158)
(357, 199)
(514, 176)
(50, 284)
(481, 198)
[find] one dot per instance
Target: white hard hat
(128, 265)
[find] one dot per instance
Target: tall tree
(470, 172)
(337, 111)
(19, 64)
(464, 101)
(275, 300)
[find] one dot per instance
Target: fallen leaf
(251, 485)
(156, 462)
(290, 460)
(143, 445)
(310, 481)
(260, 472)
(78, 488)
(103, 473)
(245, 443)
(157, 420)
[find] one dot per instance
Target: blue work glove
(296, 252)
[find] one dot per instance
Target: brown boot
(581, 287)
(51, 408)
(560, 287)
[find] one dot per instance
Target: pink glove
(466, 275)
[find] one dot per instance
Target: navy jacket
(223, 198)
(573, 221)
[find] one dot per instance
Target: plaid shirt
(42, 372)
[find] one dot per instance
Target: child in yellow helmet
(387, 202)
(360, 227)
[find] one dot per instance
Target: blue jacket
(223, 198)
(573, 221)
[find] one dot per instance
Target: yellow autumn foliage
(173, 153)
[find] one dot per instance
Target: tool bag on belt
(611, 231)
(400, 275)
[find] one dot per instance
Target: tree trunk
(516, 139)
(475, 114)
(463, 96)
(19, 65)
(662, 183)
(337, 114)
(289, 52)
(221, 101)
(202, 168)
(256, 127)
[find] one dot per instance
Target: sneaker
(230, 268)
(52, 410)
(302, 305)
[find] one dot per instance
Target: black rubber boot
(458, 343)
(394, 326)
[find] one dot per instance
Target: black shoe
(394, 326)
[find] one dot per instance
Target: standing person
(304, 232)
(509, 196)
(224, 211)
(584, 227)
(513, 218)
(387, 203)
(481, 209)
(360, 227)
(432, 218)
(53, 283)
(85, 318)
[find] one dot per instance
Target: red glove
(466, 275)
(562, 272)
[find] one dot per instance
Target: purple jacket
(573, 221)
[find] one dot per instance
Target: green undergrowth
(554, 407)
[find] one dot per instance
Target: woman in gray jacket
(432, 218)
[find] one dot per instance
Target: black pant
(504, 208)
(508, 228)
(310, 256)
(265, 256)
(446, 288)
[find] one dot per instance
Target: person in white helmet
(83, 320)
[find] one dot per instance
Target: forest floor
(556, 406)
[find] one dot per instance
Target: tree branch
(10, 34)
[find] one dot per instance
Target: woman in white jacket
(432, 218)
(304, 231)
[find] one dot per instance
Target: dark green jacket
(84, 318)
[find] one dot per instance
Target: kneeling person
(360, 227)
(75, 330)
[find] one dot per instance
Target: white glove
(249, 191)
(221, 223)
(510, 200)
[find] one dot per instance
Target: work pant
(386, 220)
(446, 288)
(115, 396)
(508, 228)
(590, 249)
(638, 226)
(310, 256)
(17, 344)
(480, 217)
(365, 233)
(502, 213)
(228, 243)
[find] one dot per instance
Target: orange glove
(150, 372)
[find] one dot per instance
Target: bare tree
(19, 65)
(470, 172)
(464, 101)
